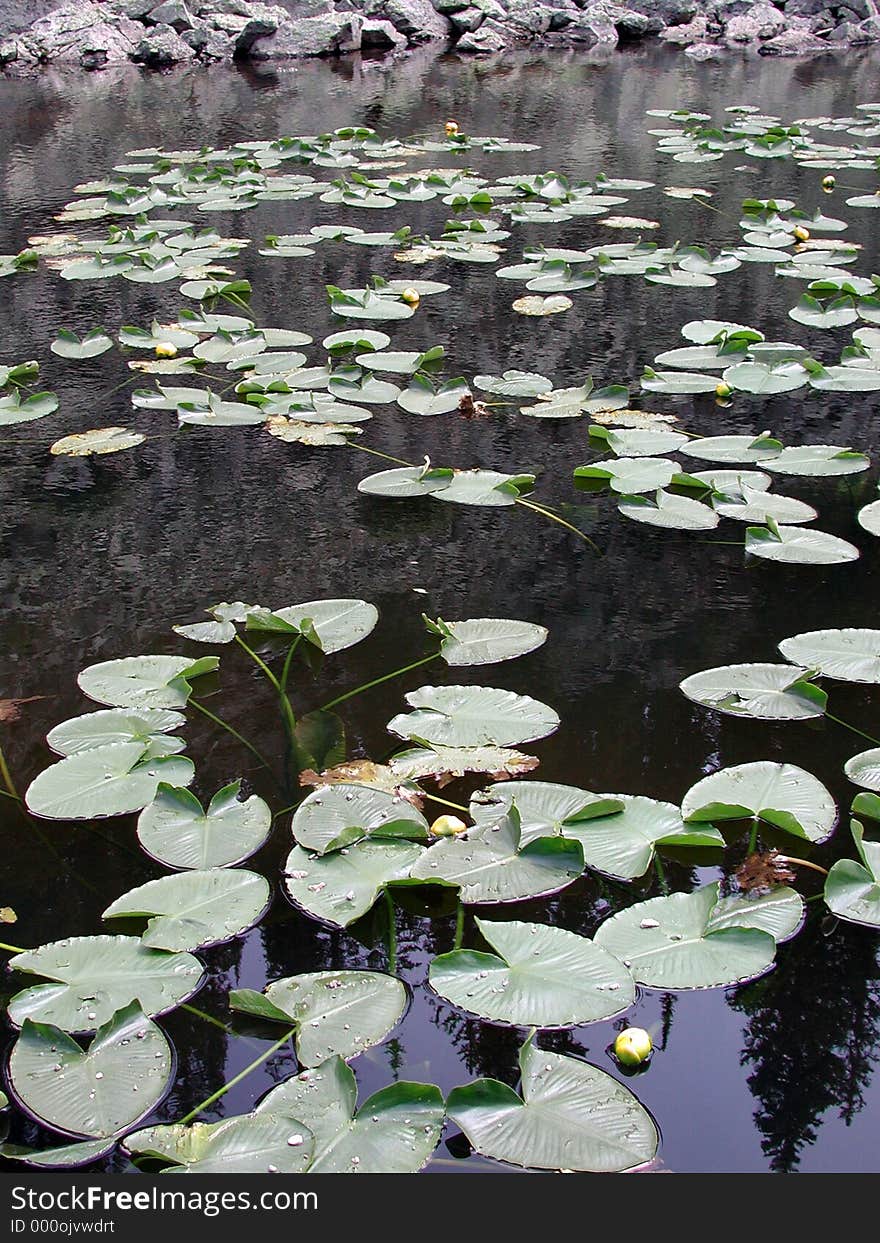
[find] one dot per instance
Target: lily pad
(535, 305)
(336, 1013)
(331, 625)
(98, 441)
(103, 781)
(632, 475)
(247, 1144)
(763, 691)
(780, 795)
(674, 943)
(68, 345)
(665, 509)
(151, 726)
(144, 681)
(817, 461)
(486, 640)
(342, 814)
(98, 1093)
(484, 487)
(864, 769)
(850, 655)
(394, 1131)
(338, 888)
(490, 864)
(797, 546)
(96, 976)
(852, 890)
(539, 977)
(571, 1116)
(473, 716)
(193, 908)
(176, 830)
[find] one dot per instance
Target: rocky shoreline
(159, 34)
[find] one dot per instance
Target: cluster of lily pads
(360, 834)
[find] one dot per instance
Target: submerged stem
(242, 1074)
(861, 733)
(285, 672)
(392, 935)
(378, 453)
(539, 509)
(261, 664)
(6, 776)
(230, 730)
(459, 926)
(386, 677)
(753, 838)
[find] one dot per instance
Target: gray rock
(489, 38)
(690, 32)
(762, 22)
(805, 8)
(450, 6)
(138, 10)
(417, 19)
(798, 42)
(666, 12)
(382, 35)
(630, 24)
(867, 31)
(466, 20)
(704, 51)
(594, 28)
(162, 47)
(208, 43)
(173, 13)
(311, 36)
(80, 32)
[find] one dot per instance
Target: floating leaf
(571, 1116)
(406, 481)
(473, 716)
(763, 691)
(445, 764)
(781, 795)
(486, 640)
(852, 890)
(102, 781)
(394, 1131)
(851, 655)
(734, 449)
(514, 384)
(336, 1013)
(423, 397)
(869, 518)
(799, 547)
(817, 460)
(331, 625)
(99, 1093)
(144, 681)
(540, 977)
(535, 305)
(343, 813)
(864, 769)
(484, 487)
(247, 1144)
(194, 908)
(675, 943)
(757, 505)
(150, 726)
(340, 887)
(176, 830)
(95, 976)
(68, 345)
(98, 441)
(490, 864)
(207, 632)
(632, 475)
(665, 509)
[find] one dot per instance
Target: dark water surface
(101, 556)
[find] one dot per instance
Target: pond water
(102, 556)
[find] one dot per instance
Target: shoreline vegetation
(97, 34)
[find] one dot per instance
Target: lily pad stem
(6, 776)
(459, 927)
(846, 725)
(435, 798)
(377, 453)
(386, 677)
(392, 934)
(229, 729)
(242, 1074)
(539, 509)
(12, 949)
(801, 863)
(753, 839)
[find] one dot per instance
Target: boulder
(592, 28)
(173, 13)
(488, 38)
(763, 21)
(311, 36)
(797, 42)
(465, 21)
(381, 34)
(666, 12)
(867, 31)
(704, 51)
(693, 31)
(161, 47)
(417, 19)
(208, 43)
(80, 32)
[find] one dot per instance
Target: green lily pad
(144, 681)
(338, 815)
(194, 908)
(68, 345)
(176, 830)
(864, 769)
(473, 716)
(486, 640)
(104, 781)
(796, 546)
(150, 726)
(338, 888)
(780, 795)
(850, 655)
(98, 1093)
(336, 1013)
(763, 691)
(539, 977)
(331, 625)
(852, 890)
(246, 1144)
(571, 1116)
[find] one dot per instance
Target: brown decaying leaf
(763, 870)
(472, 409)
(7, 915)
(10, 709)
(363, 772)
